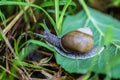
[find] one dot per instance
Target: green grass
(20, 51)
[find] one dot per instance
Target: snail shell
(80, 41)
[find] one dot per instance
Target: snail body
(78, 44)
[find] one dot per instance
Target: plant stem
(7, 42)
(90, 17)
(57, 11)
(62, 15)
(118, 46)
(57, 15)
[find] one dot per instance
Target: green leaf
(102, 63)
(108, 36)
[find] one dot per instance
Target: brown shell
(77, 41)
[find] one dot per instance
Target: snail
(78, 44)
